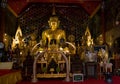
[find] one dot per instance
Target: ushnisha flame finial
(53, 12)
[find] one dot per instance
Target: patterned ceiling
(89, 6)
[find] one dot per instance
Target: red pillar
(2, 23)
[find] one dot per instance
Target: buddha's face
(53, 22)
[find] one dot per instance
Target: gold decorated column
(103, 28)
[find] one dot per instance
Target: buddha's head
(54, 22)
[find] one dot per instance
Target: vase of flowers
(44, 70)
(58, 69)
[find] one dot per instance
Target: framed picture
(78, 77)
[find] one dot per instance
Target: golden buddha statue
(18, 39)
(86, 39)
(89, 40)
(53, 37)
(100, 40)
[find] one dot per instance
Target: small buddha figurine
(89, 40)
(53, 37)
(86, 39)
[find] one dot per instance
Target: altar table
(10, 76)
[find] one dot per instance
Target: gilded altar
(52, 65)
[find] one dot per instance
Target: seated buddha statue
(53, 37)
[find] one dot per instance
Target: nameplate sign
(78, 77)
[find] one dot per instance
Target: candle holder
(108, 77)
